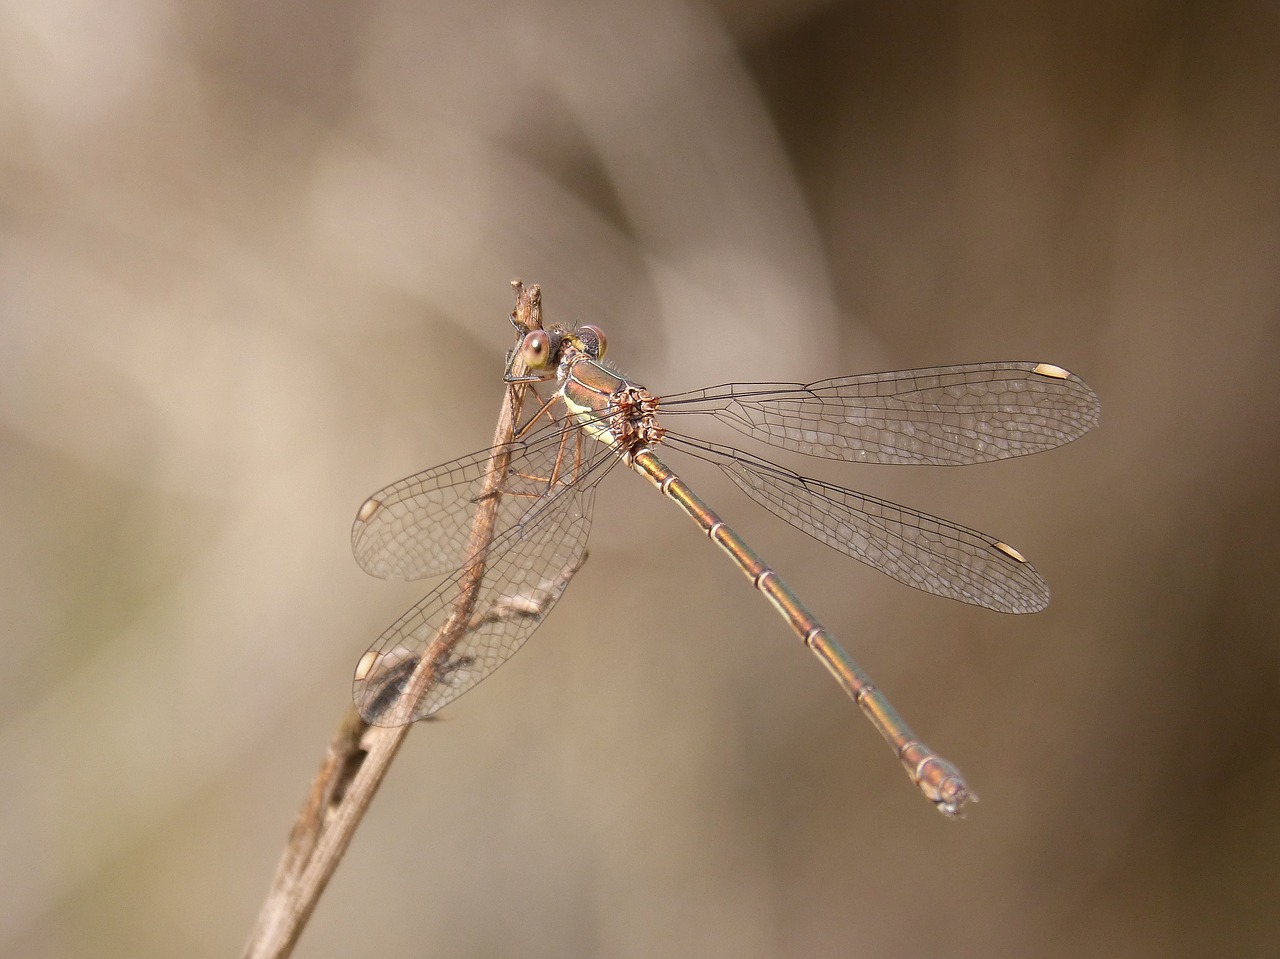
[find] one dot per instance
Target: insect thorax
(634, 420)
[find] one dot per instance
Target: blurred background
(254, 265)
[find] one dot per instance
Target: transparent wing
(528, 568)
(421, 525)
(945, 416)
(917, 549)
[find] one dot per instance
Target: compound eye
(594, 340)
(535, 349)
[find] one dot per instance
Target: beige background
(254, 266)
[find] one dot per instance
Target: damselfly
(536, 493)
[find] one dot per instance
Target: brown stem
(359, 754)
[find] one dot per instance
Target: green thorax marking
(608, 407)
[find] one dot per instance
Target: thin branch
(359, 754)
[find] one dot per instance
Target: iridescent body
(544, 493)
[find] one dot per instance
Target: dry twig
(360, 755)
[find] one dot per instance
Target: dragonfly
(531, 500)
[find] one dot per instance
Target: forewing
(945, 416)
(421, 525)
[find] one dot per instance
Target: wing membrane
(915, 548)
(421, 525)
(528, 569)
(944, 416)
